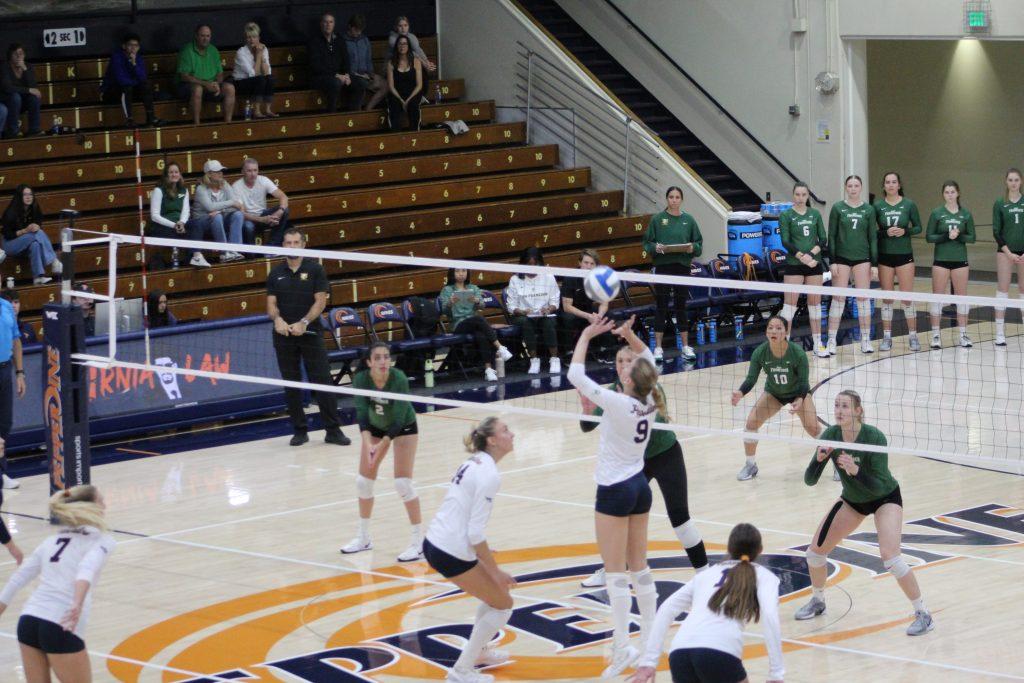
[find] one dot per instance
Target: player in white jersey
(708, 647)
(456, 547)
(68, 564)
(623, 494)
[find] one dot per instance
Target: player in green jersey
(1008, 229)
(868, 489)
(950, 229)
(805, 241)
(383, 422)
(853, 247)
(898, 220)
(786, 382)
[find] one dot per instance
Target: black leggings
(669, 470)
(483, 335)
(663, 293)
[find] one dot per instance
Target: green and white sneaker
(815, 607)
(922, 624)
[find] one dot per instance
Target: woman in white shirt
(532, 301)
(252, 73)
(708, 647)
(623, 500)
(68, 564)
(457, 549)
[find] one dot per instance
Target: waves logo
(53, 414)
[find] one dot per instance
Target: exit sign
(977, 16)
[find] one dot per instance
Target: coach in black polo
(296, 296)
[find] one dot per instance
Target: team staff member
(950, 229)
(868, 489)
(853, 246)
(12, 377)
(805, 241)
(898, 221)
(673, 240)
(296, 296)
(1008, 229)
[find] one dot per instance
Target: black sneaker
(298, 439)
(156, 123)
(338, 438)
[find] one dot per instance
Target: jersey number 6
(642, 430)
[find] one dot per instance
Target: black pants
(395, 108)
(127, 96)
(704, 665)
(258, 88)
(663, 293)
(528, 327)
(483, 334)
(669, 470)
(307, 350)
(335, 91)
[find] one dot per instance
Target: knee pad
(835, 311)
(910, 311)
(406, 489)
(864, 311)
(643, 582)
(364, 487)
(1002, 295)
(887, 312)
(935, 308)
(814, 312)
(961, 309)
(688, 534)
(816, 559)
(897, 566)
(788, 312)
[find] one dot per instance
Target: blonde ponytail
(78, 506)
(645, 383)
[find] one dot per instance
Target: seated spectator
(126, 80)
(88, 308)
(25, 331)
(578, 310)
(23, 235)
(461, 302)
(253, 189)
(329, 68)
(532, 300)
(402, 29)
(169, 215)
(201, 76)
(405, 85)
(19, 92)
(252, 73)
(360, 60)
(156, 308)
(217, 211)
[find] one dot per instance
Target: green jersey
(802, 232)
(1008, 224)
(903, 214)
(665, 228)
(661, 439)
(873, 480)
(383, 413)
(786, 377)
(853, 232)
(940, 223)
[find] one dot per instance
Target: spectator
(25, 331)
(402, 29)
(405, 85)
(3, 116)
(218, 212)
(201, 76)
(169, 214)
(360, 59)
(126, 80)
(533, 302)
(88, 306)
(19, 91)
(461, 301)
(252, 73)
(577, 308)
(10, 355)
(23, 234)
(156, 308)
(253, 189)
(329, 68)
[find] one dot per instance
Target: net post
(111, 292)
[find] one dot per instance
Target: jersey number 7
(63, 543)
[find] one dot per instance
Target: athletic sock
(818, 593)
(364, 528)
(618, 595)
(919, 605)
(488, 622)
(751, 459)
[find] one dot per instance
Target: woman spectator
(1008, 229)
(20, 94)
(156, 308)
(405, 85)
(253, 79)
(402, 29)
(23, 234)
(533, 302)
(218, 212)
(950, 229)
(169, 214)
(461, 301)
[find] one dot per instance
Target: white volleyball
(602, 284)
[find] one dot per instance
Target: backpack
(424, 317)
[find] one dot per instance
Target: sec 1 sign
(63, 37)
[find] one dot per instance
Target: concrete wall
(924, 19)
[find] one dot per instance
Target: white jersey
(75, 554)
(625, 427)
(461, 520)
(703, 628)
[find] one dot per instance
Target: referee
(10, 355)
(296, 296)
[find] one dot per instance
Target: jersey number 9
(642, 431)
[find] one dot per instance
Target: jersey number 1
(63, 543)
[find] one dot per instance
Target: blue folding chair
(344, 324)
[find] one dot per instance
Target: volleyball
(602, 284)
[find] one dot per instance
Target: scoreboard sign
(64, 37)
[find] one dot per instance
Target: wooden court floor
(228, 561)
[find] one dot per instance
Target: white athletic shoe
(620, 660)
(357, 545)
(230, 256)
(490, 375)
(922, 624)
(534, 366)
(813, 608)
(56, 267)
(659, 353)
(595, 580)
(199, 261)
(689, 355)
(413, 553)
(555, 365)
(10, 482)
(748, 472)
(466, 676)
(865, 346)
(504, 353)
(915, 343)
(936, 341)
(821, 351)
(41, 280)
(965, 341)
(1000, 339)
(831, 347)
(886, 344)
(492, 656)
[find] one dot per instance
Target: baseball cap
(214, 166)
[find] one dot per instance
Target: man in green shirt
(201, 76)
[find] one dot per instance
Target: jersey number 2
(63, 543)
(642, 430)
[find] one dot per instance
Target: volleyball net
(954, 403)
